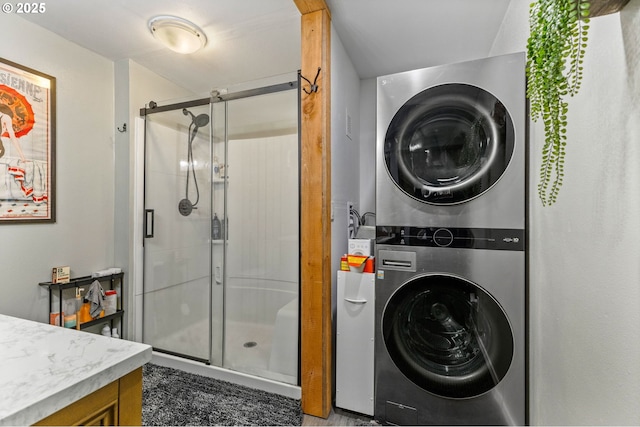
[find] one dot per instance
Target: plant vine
(555, 54)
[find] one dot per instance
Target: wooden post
(605, 7)
(315, 217)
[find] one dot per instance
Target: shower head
(202, 120)
(185, 206)
(199, 120)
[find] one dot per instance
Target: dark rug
(171, 397)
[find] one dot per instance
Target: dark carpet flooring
(176, 398)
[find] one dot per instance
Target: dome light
(177, 34)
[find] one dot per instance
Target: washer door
(449, 144)
(448, 336)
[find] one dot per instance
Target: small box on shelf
(61, 274)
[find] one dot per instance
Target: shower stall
(221, 235)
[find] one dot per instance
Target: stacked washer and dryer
(450, 312)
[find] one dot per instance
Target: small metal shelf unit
(78, 282)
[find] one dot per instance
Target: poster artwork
(27, 144)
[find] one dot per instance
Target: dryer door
(448, 336)
(449, 144)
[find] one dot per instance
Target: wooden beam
(309, 6)
(315, 217)
(605, 7)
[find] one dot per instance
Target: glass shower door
(262, 243)
(178, 220)
(221, 247)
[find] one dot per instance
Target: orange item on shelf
(55, 318)
(344, 264)
(369, 265)
(357, 262)
(85, 315)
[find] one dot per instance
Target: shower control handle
(149, 215)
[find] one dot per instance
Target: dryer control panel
(471, 238)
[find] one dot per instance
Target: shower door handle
(149, 216)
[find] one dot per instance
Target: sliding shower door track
(219, 98)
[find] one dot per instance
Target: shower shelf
(78, 282)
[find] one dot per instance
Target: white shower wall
(262, 206)
(261, 293)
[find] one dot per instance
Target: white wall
(584, 282)
(262, 205)
(345, 151)
(82, 236)
(345, 156)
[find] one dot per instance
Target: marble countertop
(44, 368)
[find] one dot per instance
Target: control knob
(443, 237)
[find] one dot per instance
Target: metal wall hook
(124, 128)
(313, 86)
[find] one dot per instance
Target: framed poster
(27, 144)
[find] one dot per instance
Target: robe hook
(313, 86)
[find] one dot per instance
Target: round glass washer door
(448, 336)
(449, 144)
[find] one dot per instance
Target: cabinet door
(354, 342)
(98, 408)
(106, 416)
(118, 403)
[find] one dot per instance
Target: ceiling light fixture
(177, 34)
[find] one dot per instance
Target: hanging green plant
(555, 53)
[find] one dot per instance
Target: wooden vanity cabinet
(116, 404)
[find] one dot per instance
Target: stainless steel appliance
(450, 327)
(451, 145)
(450, 255)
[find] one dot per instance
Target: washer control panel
(443, 237)
(472, 238)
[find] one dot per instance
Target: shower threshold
(200, 368)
